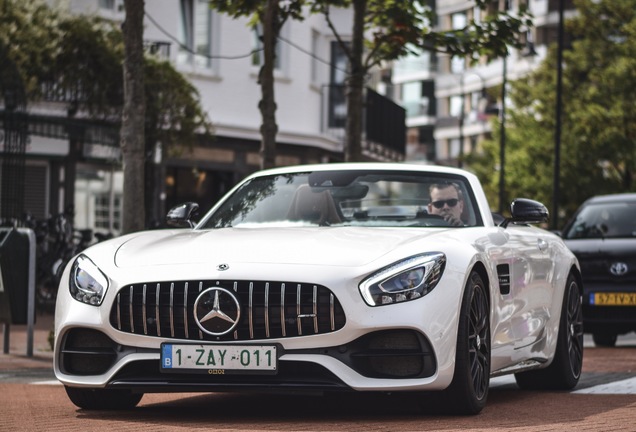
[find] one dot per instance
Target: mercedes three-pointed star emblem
(217, 311)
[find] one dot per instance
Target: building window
(339, 64)
(257, 47)
(195, 33)
(477, 106)
(414, 63)
(415, 103)
(107, 4)
(315, 40)
(103, 220)
(459, 21)
(337, 97)
(453, 148)
(455, 106)
(477, 15)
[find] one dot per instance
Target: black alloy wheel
(565, 370)
(575, 329)
(468, 392)
(479, 341)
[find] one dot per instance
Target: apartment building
(450, 102)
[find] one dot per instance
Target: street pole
(502, 138)
(557, 131)
(460, 159)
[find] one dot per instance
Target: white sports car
(364, 276)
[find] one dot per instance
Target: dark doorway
(204, 187)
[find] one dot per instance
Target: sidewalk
(17, 357)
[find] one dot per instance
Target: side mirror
(181, 215)
(527, 211)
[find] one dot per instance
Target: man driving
(446, 201)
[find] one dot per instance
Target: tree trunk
(267, 104)
(133, 116)
(355, 95)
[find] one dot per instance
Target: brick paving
(28, 407)
(18, 336)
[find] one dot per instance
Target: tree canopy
(78, 59)
(598, 143)
(385, 30)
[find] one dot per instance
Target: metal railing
(384, 121)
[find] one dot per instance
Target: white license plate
(218, 359)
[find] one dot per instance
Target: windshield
(348, 198)
(603, 220)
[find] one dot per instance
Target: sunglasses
(450, 202)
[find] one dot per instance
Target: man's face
(446, 202)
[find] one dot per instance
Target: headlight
(87, 283)
(405, 280)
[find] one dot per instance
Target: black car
(602, 234)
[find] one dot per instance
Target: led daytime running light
(403, 281)
(87, 283)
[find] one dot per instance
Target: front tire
(565, 370)
(468, 392)
(103, 399)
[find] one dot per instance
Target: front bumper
(398, 347)
(387, 355)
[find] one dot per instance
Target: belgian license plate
(613, 299)
(218, 359)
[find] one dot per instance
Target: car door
(531, 277)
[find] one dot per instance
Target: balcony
(384, 122)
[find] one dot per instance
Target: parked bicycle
(57, 242)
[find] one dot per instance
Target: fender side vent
(503, 273)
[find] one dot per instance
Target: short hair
(445, 185)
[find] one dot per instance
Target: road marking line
(626, 386)
(502, 380)
(49, 382)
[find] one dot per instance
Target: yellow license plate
(613, 299)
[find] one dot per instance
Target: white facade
(228, 83)
(226, 77)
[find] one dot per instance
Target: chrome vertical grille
(185, 310)
(143, 309)
(270, 309)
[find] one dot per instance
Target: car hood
(605, 248)
(319, 246)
